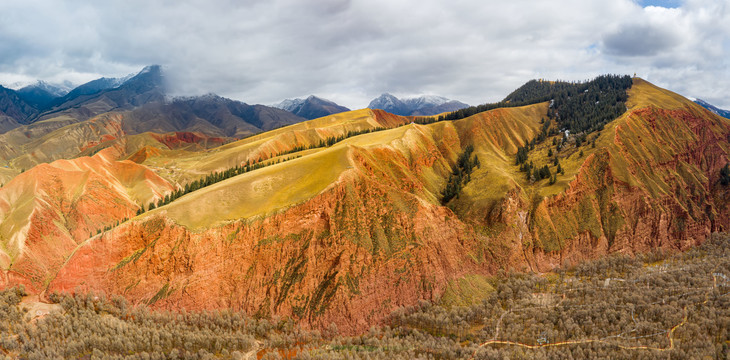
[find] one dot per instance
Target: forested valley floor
(657, 305)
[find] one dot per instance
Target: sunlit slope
(56, 138)
(342, 234)
(277, 187)
(645, 94)
(412, 158)
(260, 192)
(46, 211)
(651, 181)
(184, 167)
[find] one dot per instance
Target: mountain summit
(311, 108)
(42, 94)
(422, 105)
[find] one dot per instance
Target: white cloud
(352, 50)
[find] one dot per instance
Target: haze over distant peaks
(421, 105)
(143, 99)
(311, 108)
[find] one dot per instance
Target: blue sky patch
(662, 3)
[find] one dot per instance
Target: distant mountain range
(716, 110)
(143, 99)
(311, 108)
(419, 106)
(148, 108)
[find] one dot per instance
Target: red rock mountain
(346, 233)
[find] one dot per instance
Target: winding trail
(669, 332)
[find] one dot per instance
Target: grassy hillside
(183, 167)
(356, 222)
(274, 188)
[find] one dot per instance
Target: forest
(652, 306)
(576, 106)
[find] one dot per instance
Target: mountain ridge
(342, 219)
(417, 106)
(311, 107)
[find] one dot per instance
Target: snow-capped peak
(56, 90)
(289, 104)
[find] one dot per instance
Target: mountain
(109, 94)
(209, 117)
(311, 108)
(122, 109)
(142, 100)
(68, 200)
(419, 106)
(714, 109)
(95, 86)
(209, 114)
(42, 94)
(13, 109)
(346, 218)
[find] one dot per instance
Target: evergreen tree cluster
(521, 157)
(536, 91)
(211, 179)
(541, 173)
(534, 173)
(461, 174)
(577, 106)
(109, 227)
(725, 175)
(589, 106)
(546, 130)
(335, 139)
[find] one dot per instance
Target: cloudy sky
(350, 51)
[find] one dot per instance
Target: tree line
(576, 106)
(460, 175)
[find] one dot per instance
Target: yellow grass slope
(413, 158)
(183, 167)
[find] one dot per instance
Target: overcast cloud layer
(350, 51)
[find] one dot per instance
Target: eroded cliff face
(349, 256)
(377, 237)
(654, 186)
(49, 210)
